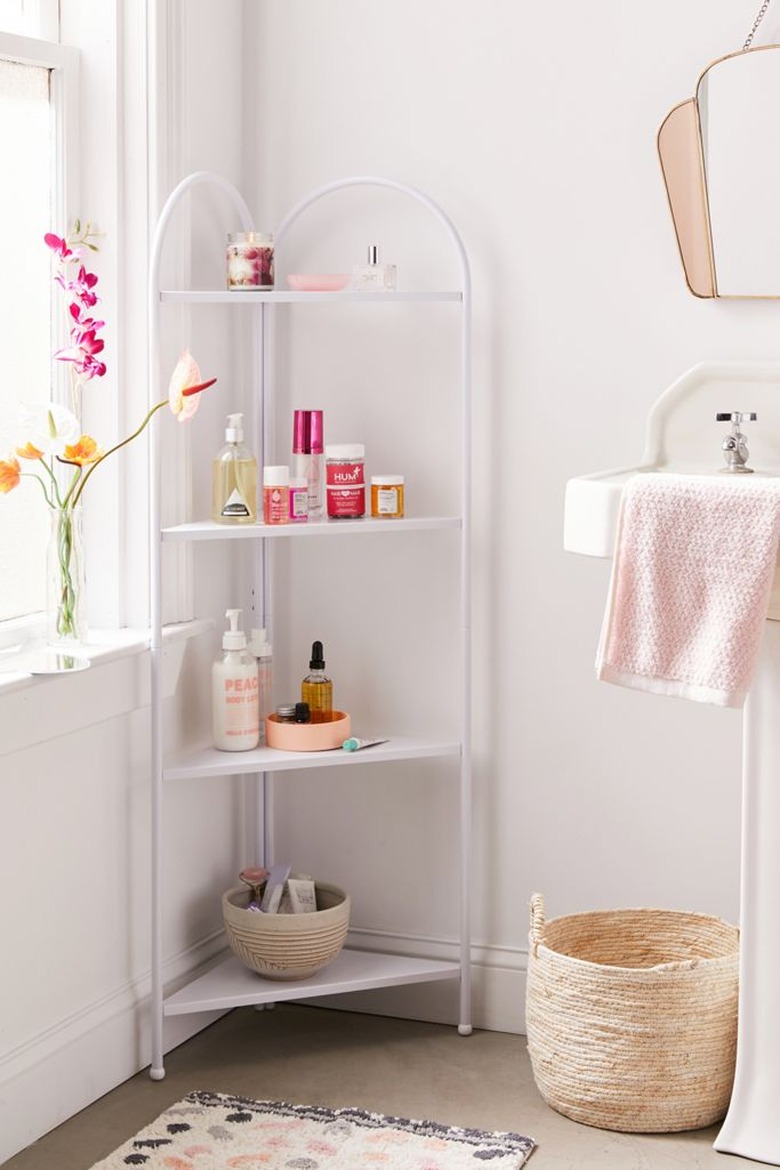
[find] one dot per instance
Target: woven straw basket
(632, 1017)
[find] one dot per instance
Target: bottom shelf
(231, 984)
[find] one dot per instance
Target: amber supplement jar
(387, 496)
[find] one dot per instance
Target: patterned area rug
(210, 1131)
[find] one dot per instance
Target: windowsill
(103, 646)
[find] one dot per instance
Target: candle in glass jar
(250, 260)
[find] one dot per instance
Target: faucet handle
(735, 450)
(736, 417)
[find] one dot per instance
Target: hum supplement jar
(345, 485)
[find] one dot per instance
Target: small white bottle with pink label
(235, 692)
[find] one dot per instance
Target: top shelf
(288, 296)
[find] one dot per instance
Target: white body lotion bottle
(234, 692)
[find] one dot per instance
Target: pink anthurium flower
(185, 384)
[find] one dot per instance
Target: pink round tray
(308, 737)
(318, 281)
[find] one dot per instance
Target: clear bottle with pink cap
(308, 453)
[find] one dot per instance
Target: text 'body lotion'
(234, 496)
(235, 692)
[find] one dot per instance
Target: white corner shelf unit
(228, 983)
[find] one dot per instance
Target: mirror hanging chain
(756, 23)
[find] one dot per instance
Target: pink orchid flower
(58, 245)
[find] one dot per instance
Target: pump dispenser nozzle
(233, 639)
(234, 432)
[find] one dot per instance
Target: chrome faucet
(735, 450)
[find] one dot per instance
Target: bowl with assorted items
(285, 925)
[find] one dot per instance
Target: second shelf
(207, 761)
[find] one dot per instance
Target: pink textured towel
(694, 563)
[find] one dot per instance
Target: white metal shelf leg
(157, 1068)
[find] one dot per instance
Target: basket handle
(537, 921)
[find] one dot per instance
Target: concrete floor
(317, 1056)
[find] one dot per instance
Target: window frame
(62, 62)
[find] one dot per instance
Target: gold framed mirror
(721, 168)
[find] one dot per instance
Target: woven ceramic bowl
(287, 946)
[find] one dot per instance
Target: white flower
(50, 428)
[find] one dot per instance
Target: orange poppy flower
(85, 451)
(9, 474)
(29, 451)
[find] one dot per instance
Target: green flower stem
(67, 598)
(32, 475)
(111, 450)
(55, 485)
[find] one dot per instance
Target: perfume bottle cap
(373, 253)
(307, 432)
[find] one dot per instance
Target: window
(31, 142)
(33, 18)
(25, 338)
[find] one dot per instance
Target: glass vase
(66, 624)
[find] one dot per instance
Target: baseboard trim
(67, 1067)
(498, 984)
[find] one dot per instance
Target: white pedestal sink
(683, 436)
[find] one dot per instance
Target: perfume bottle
(373, 276)
(308, 456)
(317, 689)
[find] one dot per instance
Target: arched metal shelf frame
(265, 300)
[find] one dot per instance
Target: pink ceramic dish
(308, 737)
(319, 281)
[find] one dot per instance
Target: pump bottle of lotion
(234, 478)
(235, 692)
(262, 650)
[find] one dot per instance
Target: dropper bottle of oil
(317, 689)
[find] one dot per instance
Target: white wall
(534, 128)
